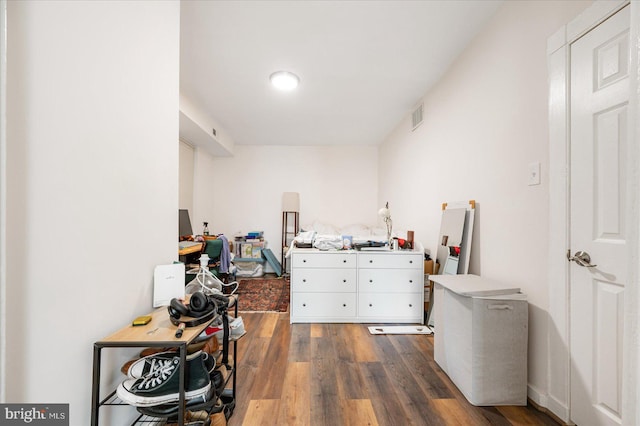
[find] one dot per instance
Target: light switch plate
(534, 173)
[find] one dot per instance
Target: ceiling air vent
(416, 117)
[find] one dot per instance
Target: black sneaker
(161, 385)
(146, 365)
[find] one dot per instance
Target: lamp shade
(290, 202)
(384, 212)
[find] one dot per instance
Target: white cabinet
(312, 258)
(391, 260)
(323, 286)
(350, 286)
(391, 286)
(323, 307)
(325, 280)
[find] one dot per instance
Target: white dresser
(352, 286)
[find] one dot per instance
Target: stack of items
(249, 246)
(248, 254)
(152, 383)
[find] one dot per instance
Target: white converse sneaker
(161, 384)
(145, 365)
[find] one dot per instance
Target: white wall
(484, 123)
(3, 196)
(197, 128)
(92, 184)
(185, 180)
(337, 186)
(205, 194)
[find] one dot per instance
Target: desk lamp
(385, 214)
(204, 281)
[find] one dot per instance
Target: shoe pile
(204, 418)
(153, 379)
(236, 329)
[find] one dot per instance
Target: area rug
(263, 294)
(400, 329)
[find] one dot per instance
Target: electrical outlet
(534, 173)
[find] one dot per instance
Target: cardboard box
(428, 267)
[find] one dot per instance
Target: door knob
(582, 258)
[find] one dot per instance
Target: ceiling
(363, 65)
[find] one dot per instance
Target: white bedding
(328, 237)
(359, 233)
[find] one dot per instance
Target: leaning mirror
(454, 242)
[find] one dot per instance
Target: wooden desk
(189, 250)
(189, 255)
(159, 330)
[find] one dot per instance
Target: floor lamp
(290, 224)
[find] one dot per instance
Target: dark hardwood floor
(339, 374)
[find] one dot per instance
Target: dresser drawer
(326, 305)
(339, 280)
(391, 260)
(386, 305)
(390, 280)
(323, 260)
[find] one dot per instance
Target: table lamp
(385, 214)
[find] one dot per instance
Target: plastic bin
(480, 338)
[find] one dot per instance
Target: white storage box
(249, 269)
(480, 338)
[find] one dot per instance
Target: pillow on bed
(359, 232)
(378, 232)
(322, 228)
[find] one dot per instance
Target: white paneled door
(599, 106)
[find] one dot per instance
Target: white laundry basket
(481, 334)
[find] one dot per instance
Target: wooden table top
(159, 329)
(192, 249)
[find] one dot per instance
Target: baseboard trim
(537, 397)
(549, 405)
(559, 411)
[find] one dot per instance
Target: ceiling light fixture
(284, 80)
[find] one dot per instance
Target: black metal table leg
(95, 397)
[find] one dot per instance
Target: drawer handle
(344, 281)
(411, 261)
(344, 304)
(370, 281)
(499, 307)
(371, 261)
(304, 280)
(304, 260)
(410, 305)
(370, 304)
(304, 304)
(410, 281)
(344, 260)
